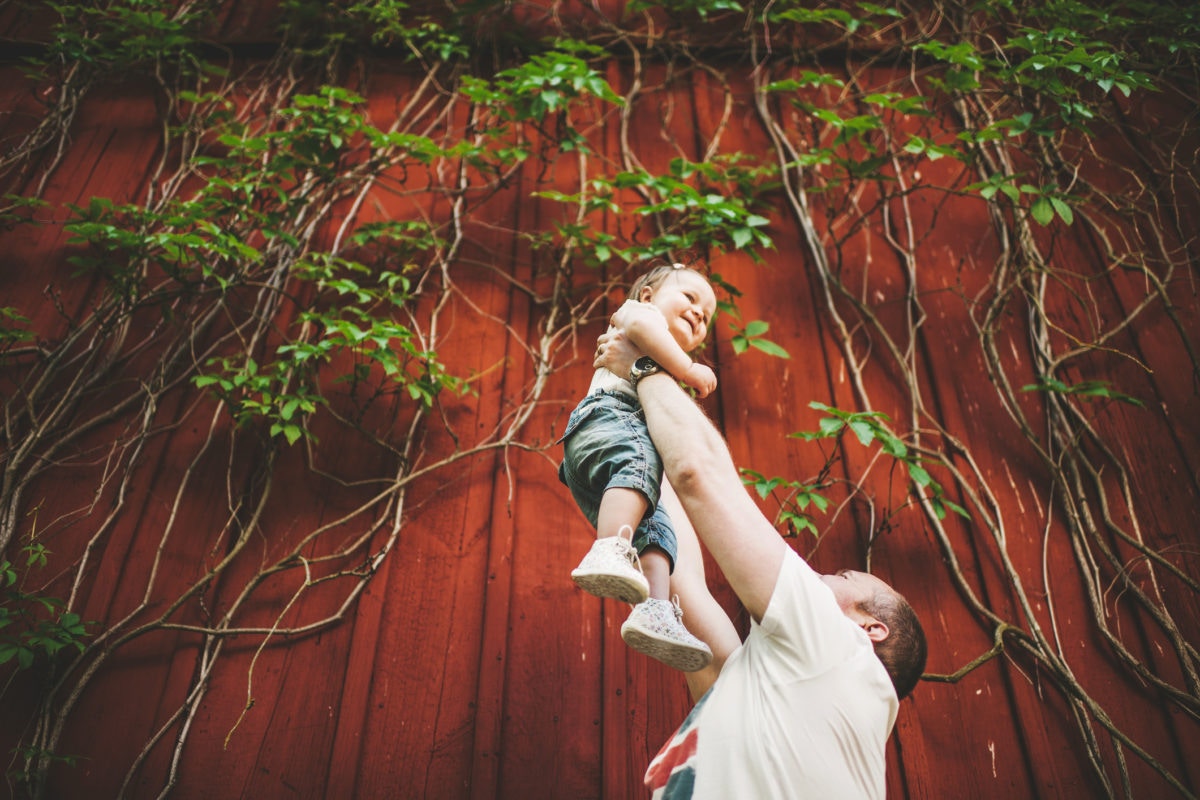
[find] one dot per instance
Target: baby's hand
(701, 378)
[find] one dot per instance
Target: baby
(615, 474)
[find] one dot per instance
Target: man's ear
(876, 630)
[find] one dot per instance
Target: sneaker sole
(604, 584)
(671, 653)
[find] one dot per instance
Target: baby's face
(687, 300)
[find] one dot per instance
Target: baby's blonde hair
(656, 275)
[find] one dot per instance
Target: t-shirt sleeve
(805, 623)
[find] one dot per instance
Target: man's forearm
(690, 445)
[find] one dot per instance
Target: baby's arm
(646, 328)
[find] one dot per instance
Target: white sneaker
(611, 569)
(655, 628)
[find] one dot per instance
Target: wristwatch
(641, 368)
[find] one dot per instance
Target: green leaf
(919, 474)
(939, 507)
(757, 328)
(1042, 211)
(769, 347)
(1063, 210)
(892, 445)
(289, 408)
(955, 507)
(1085, 389)
(831, 426)
(863, 430)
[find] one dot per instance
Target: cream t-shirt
(802, 709)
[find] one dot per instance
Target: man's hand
(615, 353)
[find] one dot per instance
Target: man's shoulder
(804, 612)
(799, 582)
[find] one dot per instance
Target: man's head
(888, 620)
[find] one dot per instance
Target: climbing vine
(285, 282)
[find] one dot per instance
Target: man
(804, 707)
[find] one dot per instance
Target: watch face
(641, 368)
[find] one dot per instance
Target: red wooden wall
(469, 666)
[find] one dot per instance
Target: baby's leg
(657, 568)
(656, 627)
(612, 568)
(620, 507)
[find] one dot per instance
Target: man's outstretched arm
(698, 464)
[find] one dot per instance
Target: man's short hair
(903, 651)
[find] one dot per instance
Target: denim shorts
(607, 445)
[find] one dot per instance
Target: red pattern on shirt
(674, 754)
